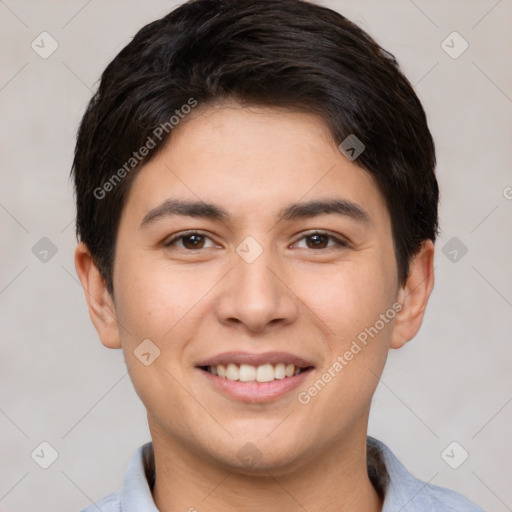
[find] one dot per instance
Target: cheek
(349, 298)
(157, 305)
(155, 299)
(350, 304)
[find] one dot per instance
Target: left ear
(414, 295)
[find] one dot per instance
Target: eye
(190, 240)
(320, 240)
(195, 240)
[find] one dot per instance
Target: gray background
(60, 385)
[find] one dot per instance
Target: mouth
(255, 377)
(249, 373)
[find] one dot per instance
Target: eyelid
(183, 234)
(340, 241)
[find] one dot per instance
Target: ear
(414, 295)
(99, 301)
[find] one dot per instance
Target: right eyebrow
(186, 208)
(199, 209)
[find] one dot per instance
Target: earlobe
(99, 301)
(414, 296)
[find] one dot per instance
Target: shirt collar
(388, 474)
(135, 494)
(401, 487)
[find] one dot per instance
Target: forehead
(252, 161)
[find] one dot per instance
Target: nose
(257, 295)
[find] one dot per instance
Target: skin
(295, 297)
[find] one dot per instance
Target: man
(256, 213)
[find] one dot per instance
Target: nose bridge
(253, 273)
(255, 295)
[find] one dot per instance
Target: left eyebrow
(199, 209)
(321, 207)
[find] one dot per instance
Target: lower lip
(256, 391)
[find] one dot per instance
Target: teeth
(280, 372)
(249, 373)
(232, 372)
(265, 373)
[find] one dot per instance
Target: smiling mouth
(249, 373)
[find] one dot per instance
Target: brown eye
(189, 241)
(193, 241)
(319, 240)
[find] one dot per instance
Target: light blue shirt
(403, 492)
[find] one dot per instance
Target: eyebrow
(200, 209)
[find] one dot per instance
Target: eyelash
(339, 243)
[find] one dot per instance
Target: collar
(401, 490)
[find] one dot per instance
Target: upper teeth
(249, 373)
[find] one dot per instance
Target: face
(282, 276)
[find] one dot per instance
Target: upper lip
(256, 359)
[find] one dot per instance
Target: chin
(261, 455)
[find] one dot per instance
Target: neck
(331, 481)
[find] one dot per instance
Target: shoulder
(135, 493)
(110, 503)
(436, 496)
(406, 493)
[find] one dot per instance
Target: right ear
(99, 301)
